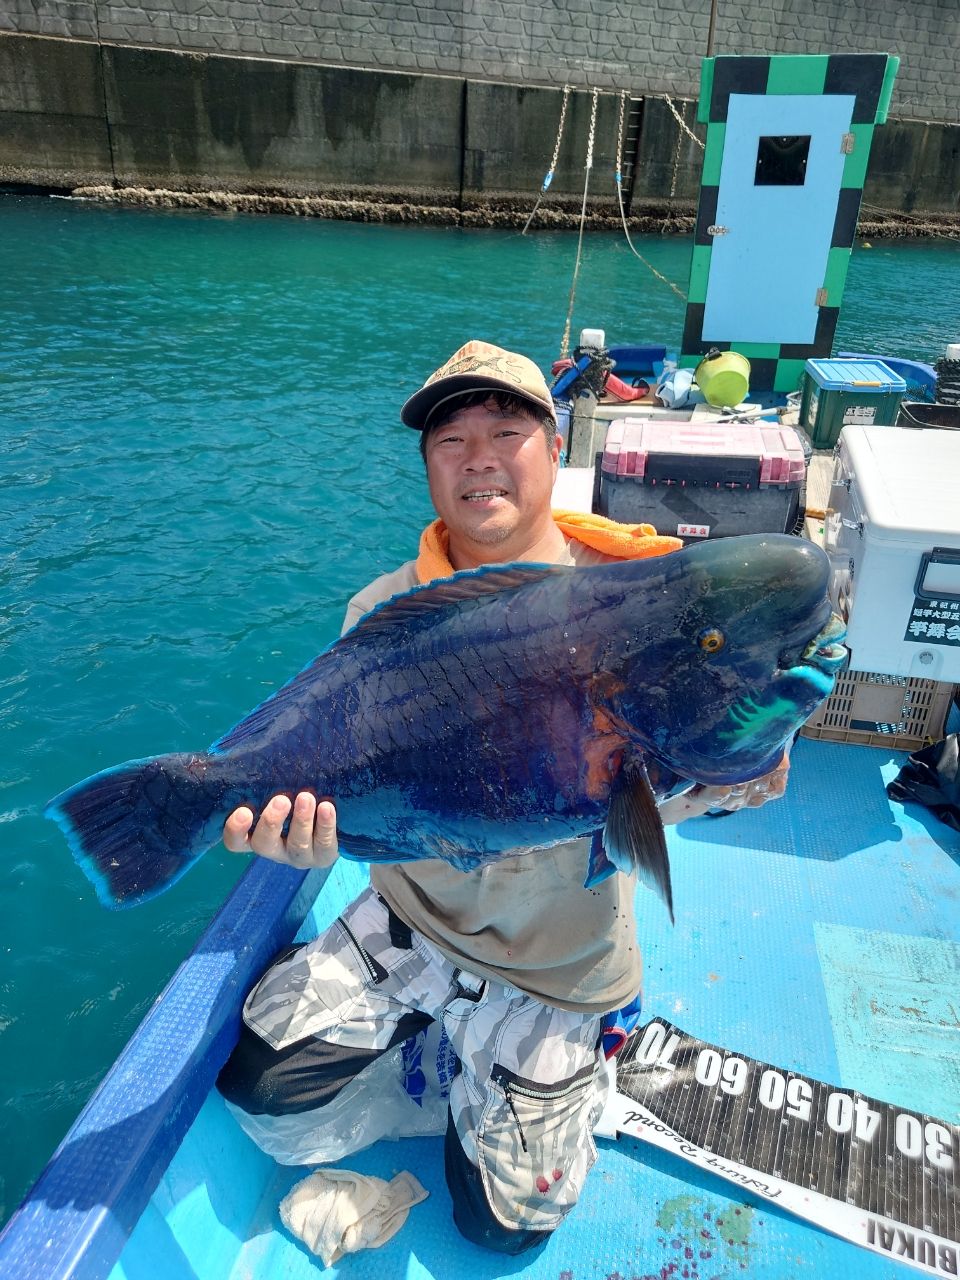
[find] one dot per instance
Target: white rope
(623, 216)
(548, 177)
(896, 213)
(681, 122)
(565, 342)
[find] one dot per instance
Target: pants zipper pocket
(375, 971)
(530, 1089)
(523, 1139)
(515, 1085)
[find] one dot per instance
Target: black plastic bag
(931, 777)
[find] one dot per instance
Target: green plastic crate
(837, 393)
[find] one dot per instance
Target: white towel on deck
(335, 1211)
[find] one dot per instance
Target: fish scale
(502, 710)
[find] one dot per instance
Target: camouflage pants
(531, 1085)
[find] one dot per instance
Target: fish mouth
(826, 651)
(804, 680)
(816, 667)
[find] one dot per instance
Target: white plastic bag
(403, 1094)
(674, 387)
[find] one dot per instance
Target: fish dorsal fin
(633, 837)
(419, 602)
(468, 584)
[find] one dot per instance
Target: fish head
(728, 653)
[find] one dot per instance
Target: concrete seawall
(293, 136)
(646, 46)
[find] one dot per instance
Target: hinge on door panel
(821, 299)
(847, 142)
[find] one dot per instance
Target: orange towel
(627, 541)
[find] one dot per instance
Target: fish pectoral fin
(633, 837)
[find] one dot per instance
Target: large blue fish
(501, 710)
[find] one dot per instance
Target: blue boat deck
(820, 934)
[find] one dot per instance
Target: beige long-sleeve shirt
(525, 920)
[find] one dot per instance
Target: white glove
(335, 1211)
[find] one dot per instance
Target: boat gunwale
(78, 1216)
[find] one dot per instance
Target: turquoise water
(200, 462)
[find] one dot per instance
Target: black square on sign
(782, 161)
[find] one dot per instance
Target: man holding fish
(518, 959)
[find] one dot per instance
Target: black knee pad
(301, 1077)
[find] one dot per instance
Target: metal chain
(556, 149)
(675, 171)
(548, 177)
(623, 112)
(565, 341)
(681, 122)
(593, 128)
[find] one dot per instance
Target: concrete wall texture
(646, 46)
(76, 113)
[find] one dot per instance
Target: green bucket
(723, 377)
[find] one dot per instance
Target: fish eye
(711, 640)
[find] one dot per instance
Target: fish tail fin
(136, 828)
(633, 838)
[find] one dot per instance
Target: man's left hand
(740, 795)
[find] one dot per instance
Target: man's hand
(749, 795)
(311, 840)
(741, 795)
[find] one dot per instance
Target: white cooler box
(892, 532)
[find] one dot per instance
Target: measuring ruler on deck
(880, 1176)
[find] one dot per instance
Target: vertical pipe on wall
(464, 98)
(711, 31)
(101, 62)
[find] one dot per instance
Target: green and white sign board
(788, 139)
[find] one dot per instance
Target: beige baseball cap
(476, 366)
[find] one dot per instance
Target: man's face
(491, 477)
